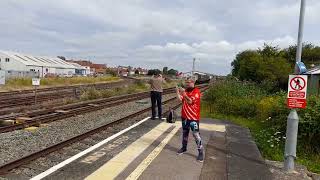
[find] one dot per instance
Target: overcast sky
(153, 34)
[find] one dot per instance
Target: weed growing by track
(137, 87)
(26, 83)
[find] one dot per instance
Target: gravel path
(19, 143)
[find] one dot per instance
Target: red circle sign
(297, 83)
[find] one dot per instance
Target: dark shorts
(192, 124)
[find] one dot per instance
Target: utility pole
(193, 69)
(293, 118)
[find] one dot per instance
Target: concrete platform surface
(148, 152)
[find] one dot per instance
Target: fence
(15, 74)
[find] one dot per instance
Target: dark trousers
(194, 126)
(156, 99)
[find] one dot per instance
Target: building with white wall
(40, 65)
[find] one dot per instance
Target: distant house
(123, 70)
(314, 81)
(81, 70)
(128, 70)
(94, 68)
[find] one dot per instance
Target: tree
(111, 72)
(172, 72)
(244, 66)
(264, 66)
(153, 71)
(136, 72)
(165, 70)
(310, 54)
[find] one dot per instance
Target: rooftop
(40, 61)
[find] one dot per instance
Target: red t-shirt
(191, 111)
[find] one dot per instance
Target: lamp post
(293, 118)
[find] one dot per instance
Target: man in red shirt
(190, 116)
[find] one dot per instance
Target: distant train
(202, 78)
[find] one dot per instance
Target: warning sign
(297, 91)
(35, 81)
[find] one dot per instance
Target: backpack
(171, 116)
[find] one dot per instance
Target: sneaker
(160, 118)
(181, 151)
(200, 157)
(153, 118)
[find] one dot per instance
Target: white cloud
(219, 53)
(153, 33)
(281, 42)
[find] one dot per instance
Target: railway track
(27, 97)
(35, 118)
(29, 158)
(6, 168)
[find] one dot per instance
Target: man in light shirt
(156, 83)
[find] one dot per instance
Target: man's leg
(159, 100)
(194, 125)
(185, 136)
(153, 104)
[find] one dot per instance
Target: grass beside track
(270, 145)
(26, 83)
(137, 87)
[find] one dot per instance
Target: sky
(154, 34)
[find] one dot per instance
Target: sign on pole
(35, 81)
(2, 77)
(297, 91)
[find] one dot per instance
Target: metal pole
(293, 118)
(194, 60)
(35, 95)
(300, 33)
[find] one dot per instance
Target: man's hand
(183, 93)
(178, 93)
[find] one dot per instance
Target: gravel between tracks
(19, 143)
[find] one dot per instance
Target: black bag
(171, 116)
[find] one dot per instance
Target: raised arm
(178, 94)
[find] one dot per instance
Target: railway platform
(148, 151)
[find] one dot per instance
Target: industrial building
(22, 65)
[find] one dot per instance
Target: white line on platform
(113, 168)
(147, 161)
(77, 156)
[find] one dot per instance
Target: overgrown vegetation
(265, 113)
(270, 66)
(93, 93)
(22, 83)
(137, 87)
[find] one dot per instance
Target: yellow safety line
(146, 162)
(117, 164)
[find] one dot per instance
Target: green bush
(309, 124)
(266, 116)
(250, 101)
(236, 98)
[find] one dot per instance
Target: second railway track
(6, 168)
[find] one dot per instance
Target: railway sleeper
(62, 111)
(21, 120)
